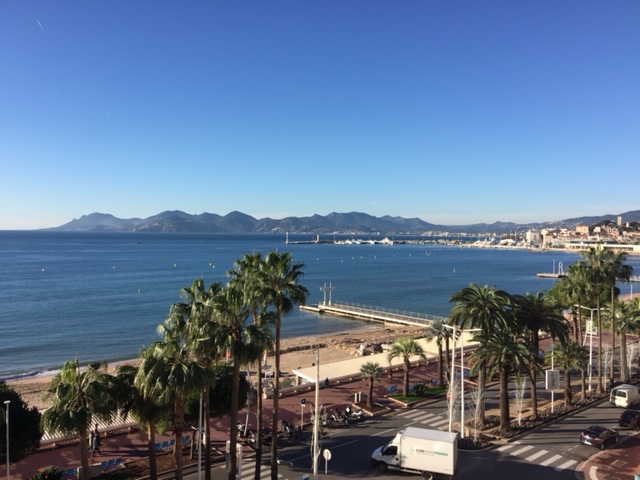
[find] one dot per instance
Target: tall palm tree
(538, 313)
(131, 402)
(79, 396)
(570, 354)
(439, 332)
(248, 278)
(503, 350)
(281, 289)
(487, 309)
(245, 343)
(168, 373)
(406, 348)
(615, 270)
(371, 371)
(201, 329)
(628, 320)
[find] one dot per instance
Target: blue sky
(455, 112)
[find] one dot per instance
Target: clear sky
(455, 112)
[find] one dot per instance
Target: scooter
(353, 414)
(340, 418)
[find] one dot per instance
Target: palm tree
(247, 277)
(245, 344)
(439, 332)
(148, 414)
(628, 320)
(201, 330)
(168, 373)
(78, 396)
(615, 270)
(406, 348)
(538, 313)
(282, 290)
(371, 371)
(570, 354)
(487, 309)
(503, 350)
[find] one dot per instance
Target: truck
(419, 450)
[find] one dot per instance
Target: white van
(624, 396)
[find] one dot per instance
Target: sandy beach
(297, 353)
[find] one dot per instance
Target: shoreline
(297, 352)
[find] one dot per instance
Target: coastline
(298, 352)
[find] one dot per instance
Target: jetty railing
(389, 313)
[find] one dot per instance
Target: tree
(570, 354)
(132, 402)
(282, 290)
(201, 328)
(167, 374)
(405, 348)
(439, 332)
(78, 396)
(371, 371)
(628, 320)
(248, 277)
(537, 313)
(487, 309)
(503, 350)
(24, 423)
(245, 343)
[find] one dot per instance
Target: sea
(101, 296)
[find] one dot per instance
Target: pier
(375, 314)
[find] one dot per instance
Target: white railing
(387, 313)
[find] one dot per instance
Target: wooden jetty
(375, 314)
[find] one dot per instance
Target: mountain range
(333, 223)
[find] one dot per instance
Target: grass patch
(416, 397)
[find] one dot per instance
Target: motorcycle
(353, 414)
(339, 418)
(289, 430)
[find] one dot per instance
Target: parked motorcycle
(339, 417)
(289, 430)
(353, 414)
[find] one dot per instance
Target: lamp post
(453, 362)
(590, 341)
(7, 402)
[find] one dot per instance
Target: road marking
(536, 455)
(592, 473)
(549, 461)
(504, 448)
(439, 422)
(383, 432)
(428, 415)
(522, 450)
(565, 465)
(412, 413)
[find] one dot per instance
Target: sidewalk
(619, 462)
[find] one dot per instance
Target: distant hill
(334, 223)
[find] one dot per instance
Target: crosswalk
(527, 452)
(541, 457)
(248, 467)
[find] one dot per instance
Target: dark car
(630, 418)
(598, 436)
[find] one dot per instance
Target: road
(552, 452)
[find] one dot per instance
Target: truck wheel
(382, 467)
(428, 475)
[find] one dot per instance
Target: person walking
(95, 441)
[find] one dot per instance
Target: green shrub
(51, 473)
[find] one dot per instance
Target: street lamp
(7, 402)
(453, 369)
(590, 340)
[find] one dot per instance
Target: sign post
(302, 402)
(326, 453)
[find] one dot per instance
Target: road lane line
(549, 461)
(522, 450)
(565, 465)
(536, 455)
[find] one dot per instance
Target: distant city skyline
(452, 112)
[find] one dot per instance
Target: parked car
(599, 436)
(630, 418)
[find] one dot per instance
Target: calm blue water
(100, 296)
